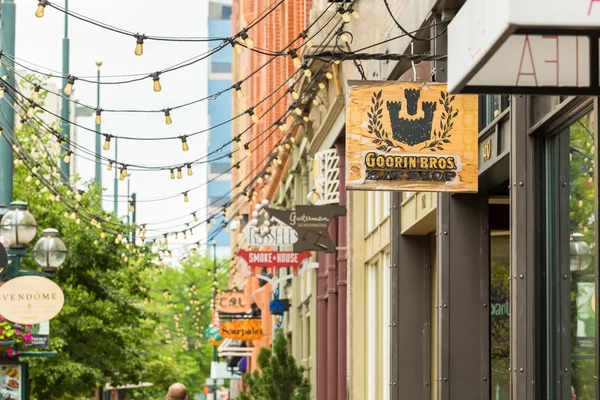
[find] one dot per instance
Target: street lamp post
(215, 355)
(98, 174)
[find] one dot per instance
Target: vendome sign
(410, 136)
(30, 300)
(525, 47)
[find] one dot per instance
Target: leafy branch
(442, 136)
(384, 142)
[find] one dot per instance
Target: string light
(139, 45)
(295, 59)
(189, 170)
(298, 111)
(168, 119)
(237, 46)
(106, 145)
(344, 37)
(307, 71)
(254, 116)
(185, 197)
(67, 158)
(238, 90)
(345, 14)
(69, 87)
(31, 110)
(166, 240)
(321, 85)
(184, 144)
(1, 91)
(172, 174)
(237, 167)
(98, 116)
(40, 8)
(282, 126)
(195, 217)
(307, 41)
(247, 40)
(353, 12)
(156, 81)
(247, 148)
(295, 94)
(328, 75)
(306, 118)
(179, 174)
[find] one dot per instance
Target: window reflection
(500, 314)
(581, 258)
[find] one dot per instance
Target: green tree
(279, 378)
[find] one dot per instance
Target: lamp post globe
(50, 251)
(18, 225)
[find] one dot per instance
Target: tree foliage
(279, 378)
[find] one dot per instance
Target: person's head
(177, 391)
(573, 395)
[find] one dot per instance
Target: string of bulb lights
(265, 167)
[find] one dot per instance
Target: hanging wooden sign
(29, 300)
(410, 136)
(232, 302)
(242, 329)
(273, 259)
(311, 224)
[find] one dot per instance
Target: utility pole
(116, 184)
(98, 174)
(7, 44)
(65, 106)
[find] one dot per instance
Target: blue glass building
(219, 109)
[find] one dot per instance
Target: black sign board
(311, 223)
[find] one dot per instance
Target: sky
(39, 41)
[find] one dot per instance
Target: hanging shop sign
(273, 259)
(311, 223)
(232, 302)
(40, 336)
(276, 236)
(410, 136)
(242, 329)
(525, 47)
(30, 300)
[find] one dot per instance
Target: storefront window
(494, 105)
(581, 258)
(500, 315)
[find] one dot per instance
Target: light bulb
(168, 119)
(295, 59)
(19, 125)
(307, 72)
(355, 14)
(316, 102)
(189, 170)
(283, 127)
(328, 75)
(139, 45)
(131, 206)
(295, 95)
(98, 117)
(247, 40)
(195, 217)
(238, 90)
(166, 240)
(305, 118)
(184, 144)
(121, 176)
(67, 158)
(156, 80)
(69, 87)
(336, 62)
(34, 170)
(1, 92)
(247, 148)
(280, 148)
(40, 9)
(31, 111)
(298, 111)
(346, 16)
(172, 174)
(237, 47)
(179, 174)
(106, 145)
(293, 140)
(321, 85)
(185, 198)
(344, 37)
(36, 92)
(255, 118)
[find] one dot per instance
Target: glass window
(581, 258)
(377, 207)
(386, 203)
(571, 273)
(370, 213)
(493, 105)
(500, 314)
(220, 67)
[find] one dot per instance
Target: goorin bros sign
(30, 300)
(410, 136)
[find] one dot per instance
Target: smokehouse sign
(410, 136)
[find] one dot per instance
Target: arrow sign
(273, 259)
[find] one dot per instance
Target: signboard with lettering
(40, 336)
(525, 47)
(243, 329)
(311, 225)
(410, 136)
(30, 300)
(232, 302)
(277, 236)
(273, 259)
